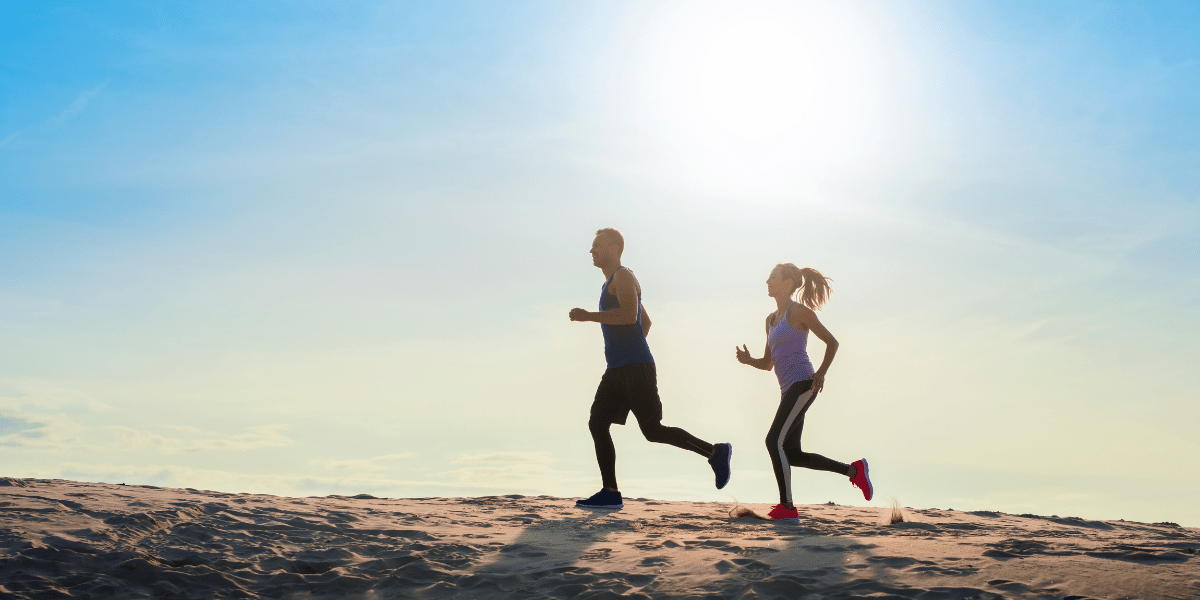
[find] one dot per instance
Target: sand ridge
(90, 540)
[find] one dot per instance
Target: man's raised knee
(654, 433)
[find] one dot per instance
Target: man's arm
(627, 296)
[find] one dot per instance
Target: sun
(751, 96)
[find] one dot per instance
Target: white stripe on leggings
(801, 404)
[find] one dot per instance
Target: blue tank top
(623, 344)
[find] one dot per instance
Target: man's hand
(578, 314)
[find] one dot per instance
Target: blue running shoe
(602, 499)
(720, 463)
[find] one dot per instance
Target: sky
(306, 248)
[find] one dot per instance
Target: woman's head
(787, 278)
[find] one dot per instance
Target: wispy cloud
(26, 429)
(504, 458)
(290, 484)
(12, 136)
(43, 416)
(21, 429)
(501, 469)
(14, 430)
(195, 440)
(377, 463)
(70, 112)
(12, 425)
(77, 106)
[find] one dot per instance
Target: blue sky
(301, 249)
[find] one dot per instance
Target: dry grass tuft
(741, 512)
(894, 514)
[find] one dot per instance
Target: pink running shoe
(783, 513)
(862, 479)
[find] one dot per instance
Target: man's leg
(718, 456)
(656, 432)
(642, 389)
(606, 452)
(646, 406)
(608, 407)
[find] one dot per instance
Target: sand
(65, 539)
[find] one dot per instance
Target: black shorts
(628, 388)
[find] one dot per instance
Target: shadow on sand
(655, 549)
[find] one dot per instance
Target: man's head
(607, 247)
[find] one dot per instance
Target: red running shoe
(862, 479)
(783, 513)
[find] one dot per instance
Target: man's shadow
(547, 553)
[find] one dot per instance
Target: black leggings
(606, 452)
(783, 440)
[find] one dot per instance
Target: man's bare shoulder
(624, 277)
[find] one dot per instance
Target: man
(630, 384)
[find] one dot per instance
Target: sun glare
(754, 97)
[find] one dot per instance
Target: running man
(787, 352)
(630, 384)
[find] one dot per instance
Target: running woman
(630, 384)
(786, 351)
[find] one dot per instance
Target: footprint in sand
(523, 550)
(897, 562)
(751, 570)
(950, 571)
(597, 554)
(751, 564)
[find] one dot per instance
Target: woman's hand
(743, 354)
(818, 382)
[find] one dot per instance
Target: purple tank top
(789, 351)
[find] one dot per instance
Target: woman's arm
(765, 363)
(645, 321)
(808, 319)
(743, 356)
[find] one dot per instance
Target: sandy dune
(61, 539)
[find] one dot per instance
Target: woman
(786, 351)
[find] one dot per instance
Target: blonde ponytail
(814, 287)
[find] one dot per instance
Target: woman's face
(777, 285)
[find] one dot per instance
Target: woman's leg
(791, 408)
(816, 462)
(808, 460)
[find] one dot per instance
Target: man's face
(599, 251)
